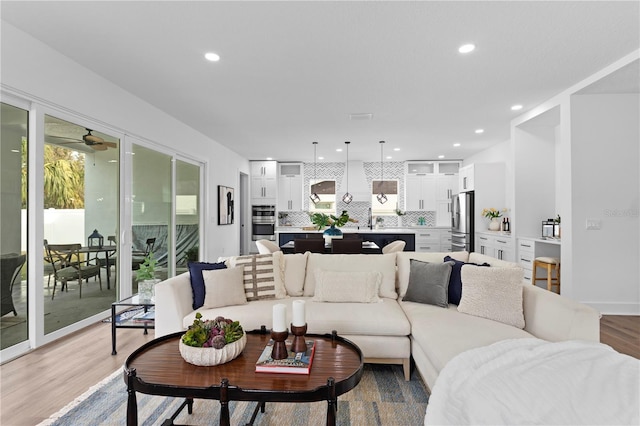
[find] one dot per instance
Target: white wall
(606, 187)
(498, 153)
(32, 68)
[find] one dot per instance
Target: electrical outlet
(594, 224)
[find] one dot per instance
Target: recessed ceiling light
(112, 161)
(213, 57)
(440, 156)
(389, 157)
(269, 158)
(361, 116)
(516, 107)
(16, 151)
(396, 149)
(456, 144)
(320, 158)
(478, 131)
(467, 48)
(338, 149)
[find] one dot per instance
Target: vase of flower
(331, 233)
(494, 225)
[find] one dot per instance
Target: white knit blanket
(531, 381)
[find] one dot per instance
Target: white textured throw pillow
(494, 293)
(336, 286)
(224, 287)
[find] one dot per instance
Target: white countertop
(557, 241)
(362, 230)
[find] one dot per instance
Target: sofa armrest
(174, 300)
(556, 318)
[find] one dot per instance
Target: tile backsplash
(359, 210)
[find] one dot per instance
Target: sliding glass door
(81, 204)
(14, 289)
(187, 202)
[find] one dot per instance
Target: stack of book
(147, 317)
(295, 363)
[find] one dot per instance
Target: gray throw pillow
(429, 283)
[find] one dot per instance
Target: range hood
(358, 186)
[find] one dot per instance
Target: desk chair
(10, 266)
(346, 246)
(66, 270)
(267, 247)
(314, 245)
(394, 247)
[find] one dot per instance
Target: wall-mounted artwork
(225, 205)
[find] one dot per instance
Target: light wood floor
(43, 381)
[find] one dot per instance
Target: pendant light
(314, 197)
(347, 198)
(381, 197)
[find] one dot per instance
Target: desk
(107, 250)
(531, 247)
(368, 247)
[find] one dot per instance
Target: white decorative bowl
(210, 356)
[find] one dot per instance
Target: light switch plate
(594, 224)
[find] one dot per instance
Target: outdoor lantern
(95, 239)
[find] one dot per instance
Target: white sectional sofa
(391, 330)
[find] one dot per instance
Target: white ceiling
(292, 72)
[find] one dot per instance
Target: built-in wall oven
(263, 223)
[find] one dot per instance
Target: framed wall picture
(225, 205)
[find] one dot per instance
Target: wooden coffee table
(157, 368)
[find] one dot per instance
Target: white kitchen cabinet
(499, 246)
(445, 240)
(420, 193)
(446, 187)
(466, 178)
(290, 182)
(525, 257)
(428, 240)
(263, 182)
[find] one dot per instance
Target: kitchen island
(380, 237)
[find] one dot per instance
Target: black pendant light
(381, 197)
(347, 197)
(314, 197)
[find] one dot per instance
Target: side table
(131, 322)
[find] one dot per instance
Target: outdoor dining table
(107, 250)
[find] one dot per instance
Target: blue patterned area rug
(382, 397)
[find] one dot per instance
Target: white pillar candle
(279, 317)
(299, 318)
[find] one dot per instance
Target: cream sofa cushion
(291, 271)
(444, 333)
(334, 286)
(383, 263)
(404, 267)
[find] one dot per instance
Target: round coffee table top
(161, 370)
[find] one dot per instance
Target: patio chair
(70, 266)
(10, 266)
(137, 257)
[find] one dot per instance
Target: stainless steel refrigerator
(462, 219)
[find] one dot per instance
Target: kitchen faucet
(370, 223)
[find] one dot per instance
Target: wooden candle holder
(279, 350)
(299, 343)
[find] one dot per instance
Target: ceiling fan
(95, 142)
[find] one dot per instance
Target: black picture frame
(226, 199)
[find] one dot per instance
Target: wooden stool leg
(549, 276)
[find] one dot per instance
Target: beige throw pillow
(336, 286)
(494, 293)
(223, 287)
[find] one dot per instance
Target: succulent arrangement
(214, 333)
